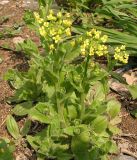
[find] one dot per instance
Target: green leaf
(113, 129)
(28, 47)
(97, 92)
(133, 90)
(80, 144)
(6, 150)
(69, 130)
(72, 112)
(134, 113)
(118, 77)
(32, 141)
(109, 147)
(113, 108)
(39, 113)
(9, 75)
(12, 127)
(99, 124)
(24, 131)
(51, 77)
(72, 55)
(22, 108)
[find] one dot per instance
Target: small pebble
(3, 2)
(1, 59)
(21, 156)
(17, 40)
(30, 4)
(124, 157)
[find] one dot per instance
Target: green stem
(60, 108)
(57, 100)
(82, 97)
(86, 68)
(111, 63)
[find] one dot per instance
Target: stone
(1, 59)
(17, 40)
(21, 156)
(124, 157)
(118, 87)
(3, 2)
(30, 4)
(33, 5)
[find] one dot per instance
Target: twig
(125, 115)
(118, 138)
(2, 26)
(128, 135)
(2, 123)
(125, 151)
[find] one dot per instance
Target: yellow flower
(97, 34)
(68, 32)
(86, 42)
(52, 32)
(99, 53)
(117, 49)
(52, 47)
(104, 47)
(72, 43)
(100, 47)
(104, 38)
(59, 14)
(40, 20)
(36, 15)
(123, 47)
(121, 55)
(80, 39)
(51, 17)
(57, 38)
(60, 31)
(51, 11)
(92, 64)
(91, 51)
(67, 23)
(42, 31)
(93, 31)
(46, 24)
(67, 15)
(83, 50)
(89, 33)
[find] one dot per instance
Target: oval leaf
(26, 127)
(113, 108)
(100, 124)
(22, 108)
(12, 127)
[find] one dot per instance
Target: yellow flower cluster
(121, 54)
(51, 16)
(55, 27)
(97, 35)
(37, 17)
(92, 44)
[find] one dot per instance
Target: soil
(14, 11)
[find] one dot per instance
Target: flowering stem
(82, 97)
(111, 63)
(86, 67)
